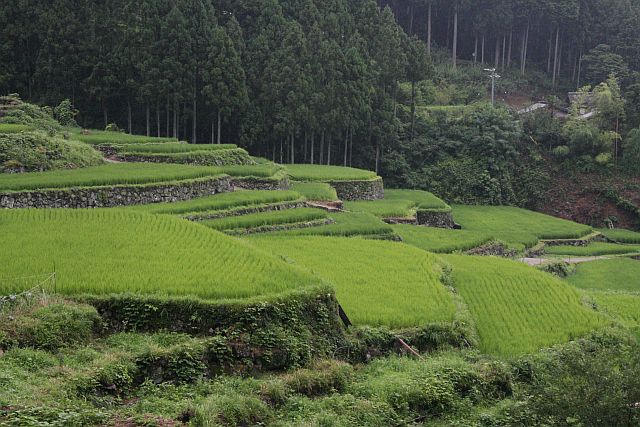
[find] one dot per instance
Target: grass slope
(440, 240)
(518, 309)
(327, 173)
(114, 251)
(620, 274)
(377, 282)
(318, 191)
(515, 225)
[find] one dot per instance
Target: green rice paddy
(440, 240)
(593, 249)
(327, 173)
(618, 274)
(261, 219)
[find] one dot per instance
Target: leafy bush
(52, 327)
(33, 116)
(561, 151)
(35, 151)
(65, 114)
(322, 378)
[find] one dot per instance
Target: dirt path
(573, 260)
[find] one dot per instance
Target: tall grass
(104, 251)
(111, 174)
(221, 202)
(518, 309)
(623, 307)
(377, 282)
(619, 274)
(288, 216)
(327, 173)
(440, 240)
(515, 225)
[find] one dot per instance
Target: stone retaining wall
(359, 190)
(439, 219)
(119, 195)
(252, 183)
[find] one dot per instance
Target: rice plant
(376, 282)
(398, 203)
(593, 249)
(172, 147)
(347, 224)
(621, 236)
(327, 173)
(288, 216)
(623, 307)
(318, 191)
(111, 174)
(221, 202)
(515, 225)
(441, 240)
(518, 309)
(618, 274)
(98, 137)
(104, 251)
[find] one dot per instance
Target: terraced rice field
(622, 236)
(377, 282)
(516, 226)
(111, 174)
(318, 191)
(398, 204)
(440, 240)
(172, 147)
(593, 249)
(618, 274)
(347, 224)
(518, 309)
(623, 307)
(327, 173)
(288, 216)
(105, 251)
(221, 202)
(99, 137)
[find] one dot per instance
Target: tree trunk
(555, 57)
(429, 29)
(579, 68)
(322, 148)
(510, 48)
(306, 142)
(351, 147)
(413, 107)
(455, 38)
(104, 113)
(329, 150)
(281, 153)
(504, 49)
(158, 119)
(293, 149)
(129, 114)
(346, 146)
(194, 119)
(219, 126)
(475, 51)
(175, 120)
(168, 117)
(313, 141)
(526, 48)
(148, 114)
(377, 157)
(483, 40)
(559, 60)
(411, 19)
(213, 131)
(549, 55)
(497, 56)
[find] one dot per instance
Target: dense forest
(332, 82)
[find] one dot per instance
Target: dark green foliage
(631, 151)
(592, 381)
(601, 62)
(23, 113)
(65, 114)
(51, 327)
(35, 151)
(236, 156)
(322, 378)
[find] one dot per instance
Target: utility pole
(493, 76)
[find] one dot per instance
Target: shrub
(53, 326)
(561, 151)
(65, 114)
(322, 378)
(35, 151)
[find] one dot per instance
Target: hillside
(320, 213)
